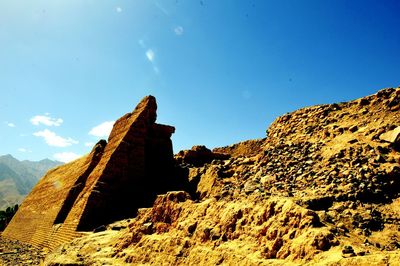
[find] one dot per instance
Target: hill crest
(322, 187)
(19, 177)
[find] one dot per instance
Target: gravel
(16, 253)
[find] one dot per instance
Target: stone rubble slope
(321, 189)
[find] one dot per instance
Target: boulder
(392, 136)
(199, 155)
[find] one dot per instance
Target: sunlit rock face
(322, 188)
(108, 184)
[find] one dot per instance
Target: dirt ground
(16, 253)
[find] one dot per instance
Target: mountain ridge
(17, 178)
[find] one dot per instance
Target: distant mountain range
(17, 178)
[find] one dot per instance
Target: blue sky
(221, 71)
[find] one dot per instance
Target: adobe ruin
(107, 185)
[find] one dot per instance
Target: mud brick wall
(109, 184)
(33, 222)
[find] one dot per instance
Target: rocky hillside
(17, 178)
(322, 188)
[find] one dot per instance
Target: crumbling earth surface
(17, 253)
(322, 188)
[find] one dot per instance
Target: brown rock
(199, 155)
(245, 148)
(363, 101)
(392, 136)
(353, 128)
(208, 184)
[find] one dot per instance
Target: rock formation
(110, 183)
(199, 155)
(322, 188)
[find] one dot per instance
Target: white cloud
(46, 120)
(52, 139)
(118, 9)
(150, 55)
(24, 150)
(102, 130)
(10, 124)
(66, 157)
(89, 144)
(178, 30)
